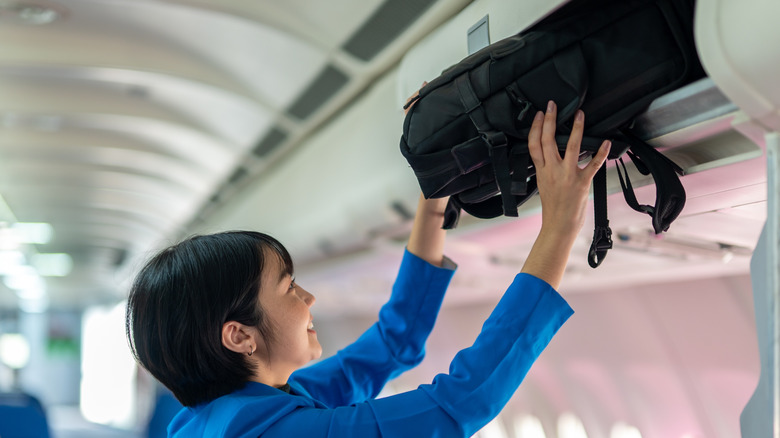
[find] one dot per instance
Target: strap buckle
(602, 242)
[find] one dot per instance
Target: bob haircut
(181, 298)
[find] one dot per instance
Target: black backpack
(466, 135)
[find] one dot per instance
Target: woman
(221, 322)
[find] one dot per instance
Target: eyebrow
(284, 275)
(285, 269)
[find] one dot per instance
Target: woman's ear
(238, 338)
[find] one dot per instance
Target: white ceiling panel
(234, 117)
(156, 113)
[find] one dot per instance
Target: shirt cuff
(446, 262)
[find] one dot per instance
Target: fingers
(549, 146)
(575, 138)
(598, 160)
(535, 140)
(544, 150)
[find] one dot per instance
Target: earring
(251, 350)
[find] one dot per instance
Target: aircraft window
(14, 350)
(494, 429)
(108, 391)
(529, 426)
(623, 430)
(570, 426)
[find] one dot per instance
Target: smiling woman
(182, 298)
(286, 305)
(220, 320)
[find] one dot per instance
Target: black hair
(180, 300)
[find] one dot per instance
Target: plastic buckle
(495, 139)
(602, 239)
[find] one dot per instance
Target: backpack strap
(491, 207)
(497, 142)
(485, 209)
(602, 234)
(628, 189)
(451, 214)
(669, 192)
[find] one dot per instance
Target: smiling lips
(311, 326)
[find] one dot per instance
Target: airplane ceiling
(123, 121)
(128, 124)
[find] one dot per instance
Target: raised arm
(483, 377)
(563, 188)
(427, 238)
(396, 342)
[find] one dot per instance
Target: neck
(272, 376)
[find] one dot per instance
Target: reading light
(23, 278)
(10, 261)
(52, 264)
(33, 232)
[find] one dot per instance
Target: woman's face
(287, 306)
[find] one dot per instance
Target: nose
(308, 298)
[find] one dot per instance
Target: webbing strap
(520, 173)
(628, 190)
(602, 234)
(496, 141)
(451, 214)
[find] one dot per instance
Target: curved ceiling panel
(54, 202)
(321, 24)
(181, 40)
(86, 177)
(30, 137)
(174, 140)
(79, 159)
(122, 121)
(228, 115)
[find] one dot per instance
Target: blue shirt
(336, 397)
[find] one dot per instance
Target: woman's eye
(292, 284)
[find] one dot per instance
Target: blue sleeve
(394, 344)
(480, 381)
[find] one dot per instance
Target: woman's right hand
(563, 186)
(563, 189)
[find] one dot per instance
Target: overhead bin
(687, 115)
(737, 43)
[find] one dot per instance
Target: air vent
(387, 23)
(120, 256)
(328, 83)
(270, 142)
(238, 175)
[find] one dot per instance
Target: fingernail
(607, 144)
(579, 116)
(550, 106)
(539, 115)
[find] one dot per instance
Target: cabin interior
(127, 125)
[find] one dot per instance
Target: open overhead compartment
(345, 196)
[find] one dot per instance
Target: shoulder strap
(497, 142)
(669, 192)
